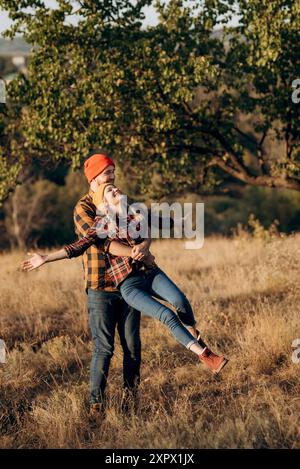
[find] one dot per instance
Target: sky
(150, 13)
(4, 21)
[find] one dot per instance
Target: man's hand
(34, 262)
(149, 260)
(139, 251)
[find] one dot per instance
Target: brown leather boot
(96, 409)
(213, 362)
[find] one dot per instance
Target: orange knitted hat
(94, 165)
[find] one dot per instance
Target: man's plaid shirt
(116, 268)
(96, 276)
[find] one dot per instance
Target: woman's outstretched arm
(70, 250)
(39, 259)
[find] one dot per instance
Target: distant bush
(222, 214)
(41, 213)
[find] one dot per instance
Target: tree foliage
(179, 106)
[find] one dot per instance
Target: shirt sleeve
(88, 229)
(84, 218)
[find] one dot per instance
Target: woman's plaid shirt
(116, 268)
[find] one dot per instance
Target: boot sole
(224, 363)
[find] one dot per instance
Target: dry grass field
(246, 296)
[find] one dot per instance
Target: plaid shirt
(117, 268)
(94, 264)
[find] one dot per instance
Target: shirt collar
(90, 194)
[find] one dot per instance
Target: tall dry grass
(246, 298)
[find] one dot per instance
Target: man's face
(108, 175)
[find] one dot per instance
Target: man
(106, 308)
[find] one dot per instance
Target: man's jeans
(139, 287)
(106, 311)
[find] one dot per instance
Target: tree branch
(266, 181)
(246, 136)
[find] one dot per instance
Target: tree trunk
(17, 231)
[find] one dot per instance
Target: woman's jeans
(139, 287)
(108, 310)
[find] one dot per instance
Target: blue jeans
(139, 288)
(108, 310)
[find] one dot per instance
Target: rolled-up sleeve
(79, 247)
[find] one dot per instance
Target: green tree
(178, 105)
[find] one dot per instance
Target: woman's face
(112, 195)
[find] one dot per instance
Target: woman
(141, 282)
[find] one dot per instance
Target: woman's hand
(34, 262)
